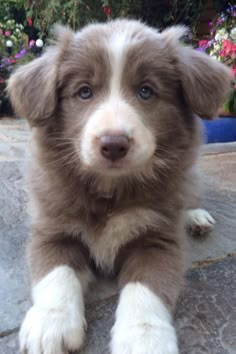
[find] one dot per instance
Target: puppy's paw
(144, 338)
(199, 222)
(54, 331)
(143, 323)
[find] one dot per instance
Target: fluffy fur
(123, 217)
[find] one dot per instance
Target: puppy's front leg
(55, 323)
(150, 278)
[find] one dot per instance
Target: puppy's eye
(85, 92)
(145, 93)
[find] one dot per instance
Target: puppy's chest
(115, 230)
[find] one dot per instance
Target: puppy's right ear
(32, 87)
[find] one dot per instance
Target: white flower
(233, 34)
(39, 43)
(9, 44)
(216, 46)
(221, 34)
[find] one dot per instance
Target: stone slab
(219, 176)
(14, 136)
(219, 199)
(205, 317)
(218, 148)
(206, 311)
(13, 233)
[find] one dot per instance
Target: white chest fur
(120, 229)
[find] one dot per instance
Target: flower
(31, 43)
(202, 43)
(222, 47)
(21, 54)
(233, 34)
(221, 34)
(30, 22)
(229, 47)
(7, 33)
(234, 71)
(39, 43)
(107, 10)
(9, 44)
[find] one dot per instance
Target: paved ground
(206, 312)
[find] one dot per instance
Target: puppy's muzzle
(114, 147)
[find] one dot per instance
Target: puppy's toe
(144, 338)
(199, 222)
(55, 331)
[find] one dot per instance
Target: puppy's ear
(205, 81)
(32, 87)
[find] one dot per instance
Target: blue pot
(221, 130)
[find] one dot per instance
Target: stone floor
(206, 312)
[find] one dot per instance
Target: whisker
(61, 159)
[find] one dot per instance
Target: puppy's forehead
(112, 43)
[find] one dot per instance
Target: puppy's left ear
(32, 87)
(205, 81)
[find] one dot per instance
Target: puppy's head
(121, 95)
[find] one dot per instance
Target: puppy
(114, 142)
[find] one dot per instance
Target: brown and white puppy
(114, 142)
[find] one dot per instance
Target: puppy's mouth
(114, 168)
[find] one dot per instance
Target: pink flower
(234, 71)
(222, 53)
(31, 43)
(7, 33)
(203, 43)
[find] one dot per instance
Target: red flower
(229, 47)
(30, 22)
(202, 43)
(12, 61)
(107, 10)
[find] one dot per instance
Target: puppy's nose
(114, 147)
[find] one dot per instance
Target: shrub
(222, 46)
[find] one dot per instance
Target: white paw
(144, 338)
(199, 221)
(143, 324)
(52, 331)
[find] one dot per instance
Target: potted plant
(222, 46)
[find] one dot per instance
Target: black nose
(114, 147)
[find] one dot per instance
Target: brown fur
(74, 205)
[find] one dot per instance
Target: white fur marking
(143, 324)
(199, 221)
(116, 116)
(56, 320)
